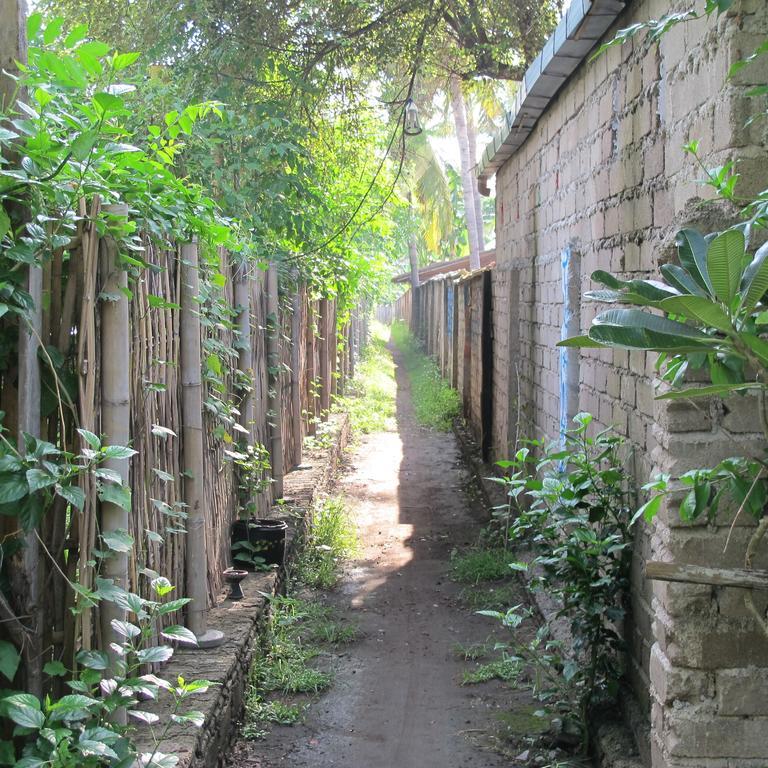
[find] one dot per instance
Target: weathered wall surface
(603, 182)
(604, 176)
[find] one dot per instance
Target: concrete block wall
(603, 174)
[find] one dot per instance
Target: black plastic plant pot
(258, 542)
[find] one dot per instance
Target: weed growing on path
(435, 403)
(371, 402)
(472, 652)
(478, 565)
(331, 538)
(507, 670)
(485, 598)
(298, 630)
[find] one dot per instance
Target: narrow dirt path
(397, 699)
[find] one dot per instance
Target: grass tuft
(507, 670)
(435, 403)
(478, 565)
(331, 539)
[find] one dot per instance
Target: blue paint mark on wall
(565, 259)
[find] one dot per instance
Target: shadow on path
(397, 699)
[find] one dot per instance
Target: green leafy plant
(572, 508)
(253, 476)
(331, 538)
(81, 728)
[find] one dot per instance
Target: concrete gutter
(584, 24)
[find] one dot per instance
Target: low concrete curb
(242, 622)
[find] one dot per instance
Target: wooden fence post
(275, 386)
(115, 421)
(196, 563)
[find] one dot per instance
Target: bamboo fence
(75, 301)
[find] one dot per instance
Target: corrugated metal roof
(440, 268)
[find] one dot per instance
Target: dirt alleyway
(397, 699)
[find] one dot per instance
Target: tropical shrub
(570, 504)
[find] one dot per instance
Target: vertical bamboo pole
(324, 354)
(275, 385)
(13, 48)
(333, 349)
(296, 339)
(192, 449)
(242, 286)
(115, 419)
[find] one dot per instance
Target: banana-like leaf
(699, 308)
(754, 283)
(758, 346)
(583, 342)
(692, 252)
(634, 329)
(681, 279)
(710, 391)
(725, 263)
(652, 290)
(606, 295)
(607, 279)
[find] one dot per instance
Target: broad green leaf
(107, 102)
(92, 440)
(13, 487)
(758, 346)
(115, 494)
(692, 252)
(681, 279)
(122, 60)
(607, 279)
(635, 329)
(177, 632)
(155, 654)
(55, 669)
(34, 22)
(72, 494)
(581, 341)
(38, 479)
(688, 507)
(24, 710)
(125, 628)
(754, 284)
(73, 702)
(118, 452)
(196, 718)
(649, 510)
(9, 660)
(118, 541)
(699, 308)
(715, 390)
(97, 660)
(83, 145)
(725, 262)
(53, 30)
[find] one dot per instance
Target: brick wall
(603, 174)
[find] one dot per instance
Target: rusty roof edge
(583, 25)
